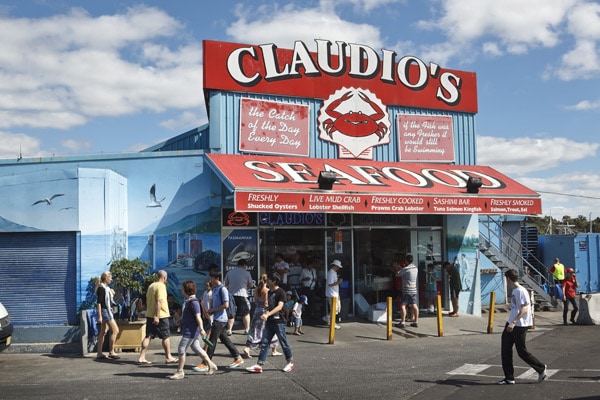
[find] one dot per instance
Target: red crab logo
(355, 120)
(355, 123)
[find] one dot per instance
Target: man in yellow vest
(558, 271)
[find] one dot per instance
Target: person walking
(106, 319)
(409, 275)
(157, 319)
(455, 286)
(191, 329)
(220, 303)
(257, 325)
(569, 286)
(519, 321)
(275, 326)
(332, 289)
(238, 281)
(558, 271)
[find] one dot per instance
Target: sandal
(247, 353)
(143, 362)
(172, 361)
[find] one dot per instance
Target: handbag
(114, 308)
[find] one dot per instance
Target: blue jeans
(272, 329)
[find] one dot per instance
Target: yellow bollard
(439, 315)
(490, 328)
(389, 318)
(332, 320)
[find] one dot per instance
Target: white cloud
(584, 105)
(359, 5)
(525, 155)
(518, 25)
(78, 67)
(13, 145)
(293, 24)
(76, 146)
(186, 120)
(569, 194)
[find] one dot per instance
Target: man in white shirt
(281, 268)
(333, 290)
(308, 281)
(519, 321)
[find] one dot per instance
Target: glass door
(429, 261)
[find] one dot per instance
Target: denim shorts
(106, 317)
(242, 305)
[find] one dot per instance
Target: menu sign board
(269, 127)
(388, 203)
(426, 138)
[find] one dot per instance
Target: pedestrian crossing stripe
(477, 369)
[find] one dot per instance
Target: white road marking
(528, 374)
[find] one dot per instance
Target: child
(431, 288)
(297, 313)
(287, 307)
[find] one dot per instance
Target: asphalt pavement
(416, 363)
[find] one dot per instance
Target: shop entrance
(299, 247)
(376, 252)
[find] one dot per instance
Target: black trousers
(517, 337)
(566, 309)
(218, 331)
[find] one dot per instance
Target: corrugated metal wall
(38, 277)
(225, 119)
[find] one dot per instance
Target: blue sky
(89, 77)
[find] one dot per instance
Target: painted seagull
(48, 200)
(153, 201)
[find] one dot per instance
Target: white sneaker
(542, 375)
(338, 327)
(255, 369)
(506, 381)
(177, 375)
(326, 318)
(289, 367)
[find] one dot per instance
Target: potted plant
(131, 278)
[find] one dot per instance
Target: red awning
(289, 184)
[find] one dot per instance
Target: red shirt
(569, 285)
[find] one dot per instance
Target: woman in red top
(569, 286)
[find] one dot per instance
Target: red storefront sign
(396, 80)
(425, 138)
(287, 184)
(270, 127)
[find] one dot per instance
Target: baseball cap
(289, 292)
(303, 299)
(338, 263)
(570, 270)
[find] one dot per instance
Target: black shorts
(160, 331)
(242, 305)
